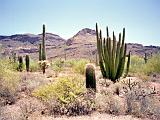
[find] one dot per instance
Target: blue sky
(141, 18)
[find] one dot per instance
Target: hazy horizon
(65, 18)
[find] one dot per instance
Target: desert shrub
(153, 65)
(79, 65)
(57, 65)
(66, 96)
(136, 64)
(140, 69)
(64, 89)
(9, 77)
(9, 81)
(34, 66)
(70, 62)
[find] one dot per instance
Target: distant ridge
(81, 45)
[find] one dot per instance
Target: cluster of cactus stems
(90, 77)
(27, 63)
(112, 55)
(42, 51)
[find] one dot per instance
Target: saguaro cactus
(40, 52)
(27, 63)
(145, 58)
(20, 66)
(43, 45)
(90, 77)
(111, 55)
(14, 57)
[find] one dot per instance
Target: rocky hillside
(28, 43)
(81, 45)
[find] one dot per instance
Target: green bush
(64, 89)
(9, 78)
(78, 65)
(138, 66)
(153, 65)
(34, 66)
(70, 62)
(57, 65)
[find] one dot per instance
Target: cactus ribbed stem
(40, 52)
(27, 63)
(90, 77)
(43, 45)
(111, 55)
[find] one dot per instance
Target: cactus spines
(27, 63)
(112, 54)
(90, 77)
(43, 45)
(20, 66)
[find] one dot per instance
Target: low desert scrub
(64, 89)
(153, 65)
(9, 81)
(67, 95)
(128, 97)
(34, 66)
(140, 69)
(57, 65)
(78, 65)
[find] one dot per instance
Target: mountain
(28, 43)
(81, 45)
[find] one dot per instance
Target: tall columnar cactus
(20, 66)
(111, 55)
(40, 52)
(43, 45)
(27, 63)
(145, 58)
(90, 77)
(14, 57)
(128, 64)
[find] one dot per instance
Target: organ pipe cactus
(111, 55)
(27, 63)
(90, 77)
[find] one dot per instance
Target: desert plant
(14, 57)
(34, 66)
(145, 58)
(79, 65)
(43, 44)
(111, 55)
(64, 89)
(40, 52)
(90, 77)
(27, 62)
(57, 65)
(9, 81)
(20, 66)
